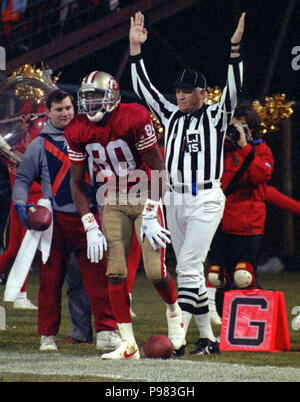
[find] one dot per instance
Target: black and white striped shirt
(193, 142)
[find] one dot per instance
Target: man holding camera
(248, 166)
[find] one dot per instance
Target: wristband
(235, 44)
(89, 221)
(150, 208)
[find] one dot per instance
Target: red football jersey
(114, 149)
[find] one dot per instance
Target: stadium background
(198, 36)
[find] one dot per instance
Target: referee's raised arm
(142, 86)
(237, 37)
(234, 83)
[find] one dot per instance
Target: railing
(61, 41)
(43, 21)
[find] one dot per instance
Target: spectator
(16, 229)
(248, 166)
(46, 160)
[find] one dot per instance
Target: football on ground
(40, 217)
(158, 347)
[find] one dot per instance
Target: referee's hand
(137, 34)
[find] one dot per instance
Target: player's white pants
(193, 224)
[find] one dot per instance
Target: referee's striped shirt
(193, 142)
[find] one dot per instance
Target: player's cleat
(215, 318)
(108, 340)
(175, 329)
(48, 342)
(181, 350)
(205, 346)
(127, 351)
(24, 304)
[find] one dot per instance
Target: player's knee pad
(243, 276)
(217, 276)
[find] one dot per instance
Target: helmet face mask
(98, 95)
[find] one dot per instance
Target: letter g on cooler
(254, 320)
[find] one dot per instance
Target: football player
(117, 142)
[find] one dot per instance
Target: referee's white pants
(193, 225)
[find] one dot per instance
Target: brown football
(158, 347)
(40, 217)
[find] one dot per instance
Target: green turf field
(21, 360)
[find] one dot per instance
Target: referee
(194, 137)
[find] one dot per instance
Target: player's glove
(96, 242)
(150, 227)
(22, 211)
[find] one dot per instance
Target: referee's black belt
(191, 188)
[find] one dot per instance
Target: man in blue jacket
(46, 160)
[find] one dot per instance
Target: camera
(234, 134)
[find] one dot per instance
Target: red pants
(69, 236)
(16, 233)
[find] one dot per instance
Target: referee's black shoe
(205, 346)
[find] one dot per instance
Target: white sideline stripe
(149, 370)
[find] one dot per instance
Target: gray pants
(78, 303)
